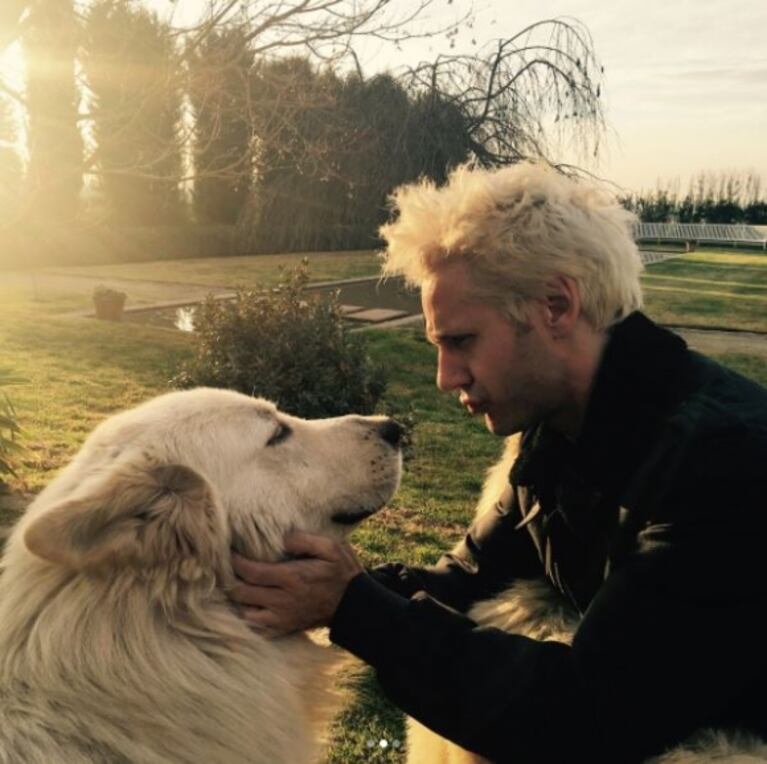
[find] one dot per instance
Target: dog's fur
(534, 609)
(117, 641)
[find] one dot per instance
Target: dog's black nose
(391, 431)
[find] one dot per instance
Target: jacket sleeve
(494, 552)
(658, 654)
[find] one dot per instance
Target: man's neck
(583, 357)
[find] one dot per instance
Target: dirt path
(138, 291)
(142, 292)
(710, 341)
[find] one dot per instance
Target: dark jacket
(653, 524)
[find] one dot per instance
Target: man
(639, 492)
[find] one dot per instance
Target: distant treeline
(729, 198)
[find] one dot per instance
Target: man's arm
(657, 656)
(493, 553)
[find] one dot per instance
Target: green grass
(80, 370)
(246, 271)
(709, 289)
(748, 365)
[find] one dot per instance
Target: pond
(363, 301)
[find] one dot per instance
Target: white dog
(117, 642)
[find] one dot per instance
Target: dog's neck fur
(184, 656)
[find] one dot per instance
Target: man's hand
(283, 597)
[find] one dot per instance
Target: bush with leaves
(9, 427)
(288, 345)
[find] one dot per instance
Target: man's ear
(562, 306)
(133, 513)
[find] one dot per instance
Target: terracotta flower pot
(108, 303)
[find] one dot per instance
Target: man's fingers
(260, 596)
(309, 545)
(261, 621)
(258, 573)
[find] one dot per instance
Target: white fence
(701, 233)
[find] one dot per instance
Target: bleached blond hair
(518, 227)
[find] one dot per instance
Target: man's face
(508, 372)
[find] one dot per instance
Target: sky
(686, 80)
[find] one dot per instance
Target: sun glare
(12, 66)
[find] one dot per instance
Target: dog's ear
(134, 513)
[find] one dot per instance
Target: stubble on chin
(503, 428)
(496, 428)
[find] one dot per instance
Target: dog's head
(179, 480)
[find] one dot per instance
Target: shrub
(287, 345)
(9, 427)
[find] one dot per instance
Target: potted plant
(109, 303)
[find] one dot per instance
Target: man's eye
(460, 340)
(281, 433)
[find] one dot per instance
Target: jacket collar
(643, 374)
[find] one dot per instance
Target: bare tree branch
(519, 93)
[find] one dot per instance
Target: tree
(134, 82)
(218, 88)
(518, 94)
(390, 138)
(340, 147)
(322, 29)
(11, 14)
(10, 165)
(330, 151)
(728, 198)
(54, 174)
(294, 112)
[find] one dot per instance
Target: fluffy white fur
(534, 609)
(117, 642)
(518, 227)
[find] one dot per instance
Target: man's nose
(451, 373)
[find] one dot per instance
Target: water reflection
(185, 319)
(353, 296)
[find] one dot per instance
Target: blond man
(638, 493)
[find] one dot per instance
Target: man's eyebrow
(436, 337)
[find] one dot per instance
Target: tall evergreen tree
(134, 78)
(10, 165)
(223, 133)
(54, 174)
(293, 204)
(330, 151)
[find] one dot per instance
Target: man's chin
(493, 425)
(500, 427)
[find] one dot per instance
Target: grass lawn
(709, 289)
(78, 371)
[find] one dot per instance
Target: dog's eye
(281, 433)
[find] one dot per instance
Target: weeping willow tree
(525, 96)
